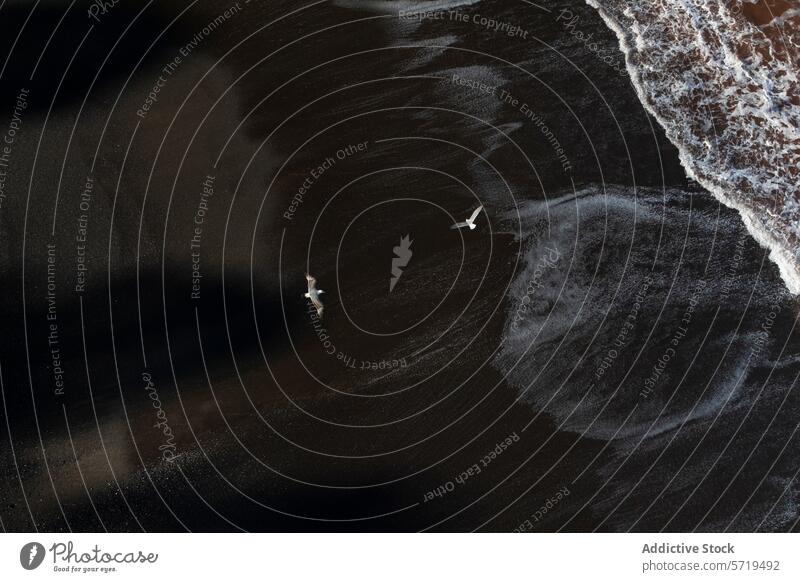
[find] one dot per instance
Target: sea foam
(720, 78)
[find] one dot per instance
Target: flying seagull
(314, 293)
(470, 222)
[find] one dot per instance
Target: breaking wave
(720, 77)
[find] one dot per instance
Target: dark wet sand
(269, 432)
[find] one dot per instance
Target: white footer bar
(400, 557)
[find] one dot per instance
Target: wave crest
(720, 78)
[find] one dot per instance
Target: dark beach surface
(609, 350)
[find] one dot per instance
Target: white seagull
(314, 293)
(470, 222)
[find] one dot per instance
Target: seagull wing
(313, 294)
(475, 214)
(459, 225)
(317, 303)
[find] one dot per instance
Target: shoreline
(777, 238)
